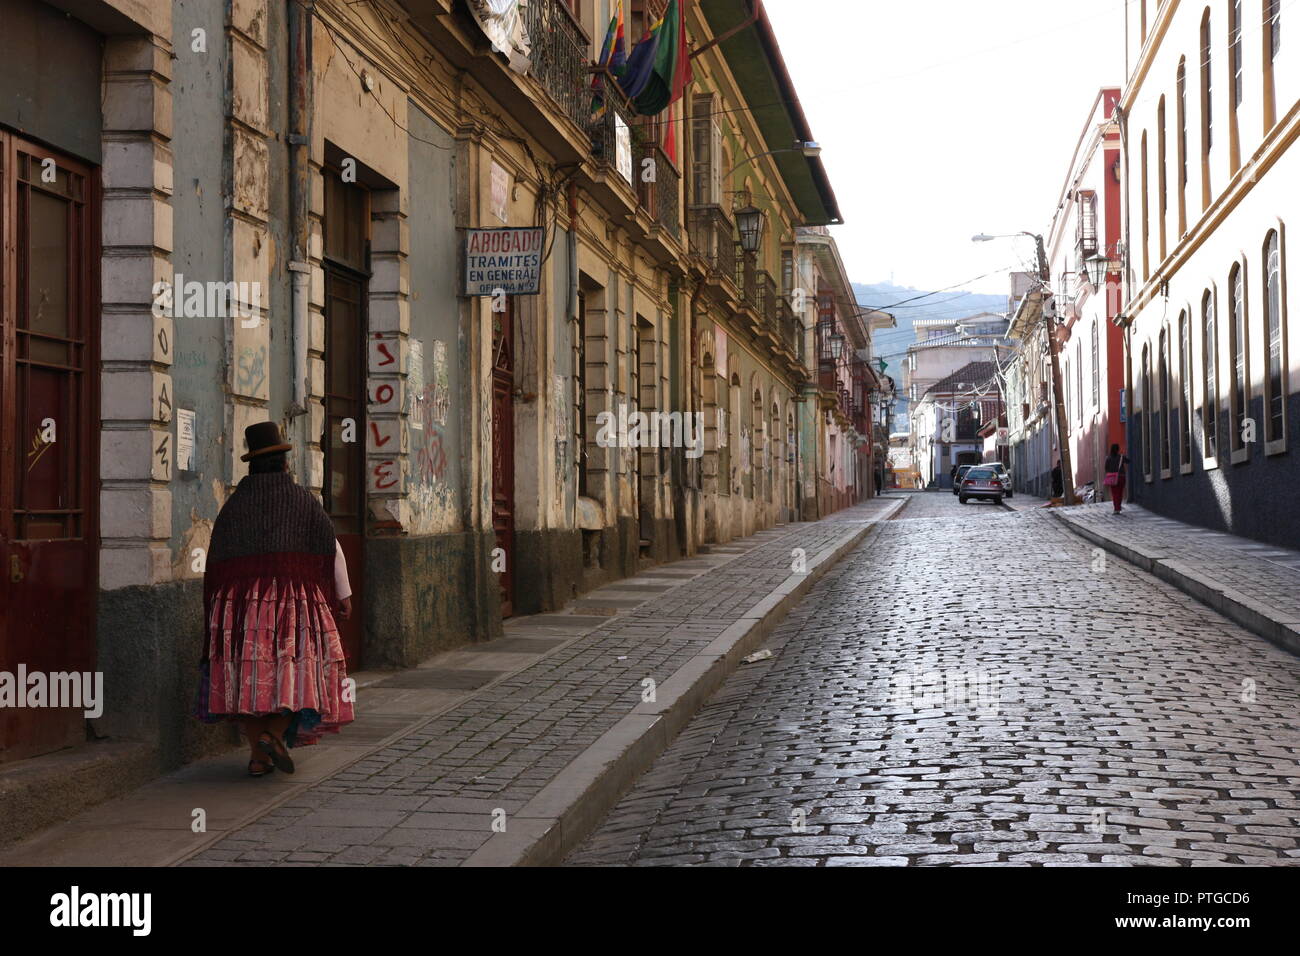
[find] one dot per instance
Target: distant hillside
(891, 344)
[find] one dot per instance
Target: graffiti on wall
(563, 428)
(431, 494)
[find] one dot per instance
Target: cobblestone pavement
(430, 797)
(980, 686)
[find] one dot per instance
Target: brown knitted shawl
(270, 529)
(267, 514)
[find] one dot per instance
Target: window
(1078, 387)
(1166, 406)
(1146, 411)
(1210, 400)
(1146, 215)
(1207, 85)
(1239, 356)
(1234, 51)
(1272, 37)
(1185, 385)
(706, 153)
(1182, 145)
(1096, 366)
(1161, 166)
(1086, 236)
(1274, 378)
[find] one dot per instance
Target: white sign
(185, 439)
(415, 383)
(1004, 436)
(623, 147)
(500, 192)
(503, 260)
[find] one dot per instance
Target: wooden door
(503, 448)
(346, 227)
(49, 535)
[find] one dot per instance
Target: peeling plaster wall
(199, 357)
(435, 384)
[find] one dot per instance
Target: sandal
(265, 768)
(276, 751)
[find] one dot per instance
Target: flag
(670, 135)
(641, 61)
(613, 56)
(683, 75)
(668, 73)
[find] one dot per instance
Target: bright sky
(943, 119)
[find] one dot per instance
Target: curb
(566, 810)
(1274, 626)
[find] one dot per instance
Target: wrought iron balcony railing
(713, 239)
(660, 197)
(606, 132)
(558, 52)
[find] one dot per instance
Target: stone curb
(566, 810)
(1272, 625)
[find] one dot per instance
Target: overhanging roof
(755, 60)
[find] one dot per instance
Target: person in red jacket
(1116, 476)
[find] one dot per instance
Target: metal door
(503, 449)
(49, 535)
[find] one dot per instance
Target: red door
(48, 510)
(347, 217)
(503, 449)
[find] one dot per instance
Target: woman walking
(274, 580)
(1116, 476)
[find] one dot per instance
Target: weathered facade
(272, 209)
(1209, 121)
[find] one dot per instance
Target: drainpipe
(571, 246)
(300, 117)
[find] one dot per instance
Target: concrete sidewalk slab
(1255, 585)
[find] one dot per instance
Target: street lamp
(837, 345)
(807, 147)
(1043, 258)
(750, 222)
(1098, 267)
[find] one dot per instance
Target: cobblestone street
(980, 686)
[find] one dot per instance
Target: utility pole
(1053, 348)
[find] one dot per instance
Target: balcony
(660, 198)
(713, 241)
(558, 53)
(550, 98)
(615, 140)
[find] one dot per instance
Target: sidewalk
(501, 753)
(1254, 584)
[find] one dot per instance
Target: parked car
(956, 480)
(981, 482)
(1003, 473)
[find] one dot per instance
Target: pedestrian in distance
(274, 584)
(1058, 482)
(1116, 476)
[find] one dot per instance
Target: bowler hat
(263, 439)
